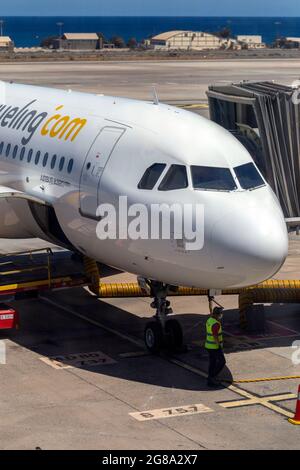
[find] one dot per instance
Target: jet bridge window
(176, 178)
(151, 176)
(212, 178)
(248, 176)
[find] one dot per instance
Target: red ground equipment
(9, 318)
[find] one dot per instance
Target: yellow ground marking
(164, 413)
(267, 379)
(264, 401)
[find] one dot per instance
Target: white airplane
(64, 153)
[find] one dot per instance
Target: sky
(150, 7)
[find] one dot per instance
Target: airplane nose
(252, 242)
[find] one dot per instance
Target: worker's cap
(218, 311)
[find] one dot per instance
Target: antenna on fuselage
(155, 96)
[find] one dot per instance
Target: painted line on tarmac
(163, 413)
(263, 400)
(266, 379)
(70, 310)
(172, 360)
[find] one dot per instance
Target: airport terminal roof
(5, 39)
(171, 34)
(81, 36)
(167, 35)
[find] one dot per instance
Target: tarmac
(77, 375)
(174, 80)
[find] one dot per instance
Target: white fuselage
(74, 151)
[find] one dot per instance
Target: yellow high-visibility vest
(210, 340)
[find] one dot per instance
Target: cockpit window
(248, 176)
(151, 176)
(176, 178)
(211, 178)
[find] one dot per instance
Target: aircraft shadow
(51, 332)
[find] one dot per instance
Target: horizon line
(143, 16)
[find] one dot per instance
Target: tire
(153, 337)
(174, 335)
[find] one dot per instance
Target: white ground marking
(164, 413)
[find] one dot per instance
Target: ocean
(29, 31)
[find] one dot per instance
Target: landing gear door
(93, 168)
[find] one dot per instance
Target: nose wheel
(162, 333)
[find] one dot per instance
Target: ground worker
(214, 346)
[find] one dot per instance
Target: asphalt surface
(174, 80)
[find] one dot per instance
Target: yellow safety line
(258, 401)
(265, 379)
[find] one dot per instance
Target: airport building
(293, 42)
(251, 42)
(6, 44)
(79, 41)
(186, 40)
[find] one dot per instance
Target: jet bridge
(265, 117)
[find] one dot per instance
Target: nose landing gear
(161, 333)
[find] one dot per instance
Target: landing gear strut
(162, 333)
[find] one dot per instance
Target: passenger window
(61, 163)
(22, 153)
(248, 176)
(151, 176)
(15, 151)
(53, 161)
(37, 157)
(29, 156)
(1, 147)
(70, 165)
(176, 178)
(8, 147)
(45, 159)
(212, 178)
